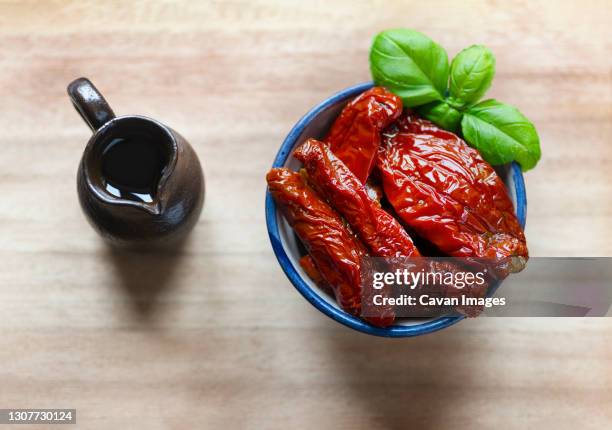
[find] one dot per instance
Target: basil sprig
(501, 133)
(416, 68)
(443, 114)
(472, 72)
(409, 64)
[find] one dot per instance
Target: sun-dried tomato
(355, 135)
(313, 273)
(335, 250)
(378, 230)
(443, 190)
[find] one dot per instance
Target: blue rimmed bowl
(286, 246)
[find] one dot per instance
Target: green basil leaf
(410, 65)
(442, 114)
(501, 134)
(471, 74)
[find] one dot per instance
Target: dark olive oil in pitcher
(132, 167)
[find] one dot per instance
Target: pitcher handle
(89, 103)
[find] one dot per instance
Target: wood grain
(216, 336)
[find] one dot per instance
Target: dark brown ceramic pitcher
(140, 183)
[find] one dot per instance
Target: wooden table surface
(217, 336)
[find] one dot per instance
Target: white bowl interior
(317, 129)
